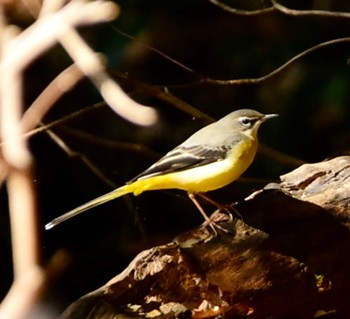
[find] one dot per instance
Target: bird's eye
(246, 122)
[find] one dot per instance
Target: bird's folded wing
(184, 157)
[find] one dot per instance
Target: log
(286, 257)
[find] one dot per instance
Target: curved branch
(279, 69)
(322, 13)
(230, 9)
(281, 8)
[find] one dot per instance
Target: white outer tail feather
(93, 203)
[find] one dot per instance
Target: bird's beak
(268, 116)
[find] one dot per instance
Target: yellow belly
(204, 178)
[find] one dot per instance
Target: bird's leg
(199, 207)
(208, 221)
(220, 206)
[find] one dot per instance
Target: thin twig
(93, 139)
(232, 10)
(279, 69)
(62, 120)
(279, 7)
(323, 13)
(83, 158)
(163, 94)
(90, 165)
(157, 51)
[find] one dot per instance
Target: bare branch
(50, 7)
(43, 33)
(27, 289)
(24, 225)
(279, 7)
(61, 120)
(279, 69)
(151, 48)
(230, 9)
(14, 152)
(83, 158)
(163, 94)
(64, 82)
(322, 13)
(18, 50)
(91, 65)
(23, 294)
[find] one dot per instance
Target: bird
(211, 158)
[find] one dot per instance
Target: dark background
(311, 95)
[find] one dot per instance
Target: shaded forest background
(161, 46)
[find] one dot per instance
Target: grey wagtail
(211, 158)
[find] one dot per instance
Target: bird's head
(247, 121)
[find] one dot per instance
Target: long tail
(93, 203)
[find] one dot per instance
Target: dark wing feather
(184, 157)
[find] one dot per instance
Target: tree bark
(287, 257)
